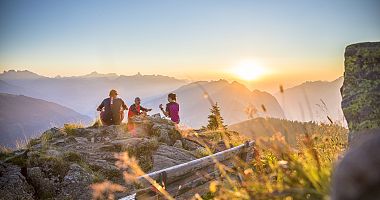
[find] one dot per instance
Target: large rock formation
(357, 176)
(63, 163)
(361, 87)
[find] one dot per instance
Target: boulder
(13, 184)
(76, 183)
(190, 145)
(44, 187)
(53, 153)
(358, 176)
(81, 139)
(166, 133)
(167, 156)
(361, 87)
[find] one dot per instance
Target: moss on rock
(361, 87)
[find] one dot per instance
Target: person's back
(173, 109)
(117, 108)
(112, 109)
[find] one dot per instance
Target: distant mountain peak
(95, 74)
(19, 74)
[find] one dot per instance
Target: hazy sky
(293, 41)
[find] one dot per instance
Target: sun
(248, 70)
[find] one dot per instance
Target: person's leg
(103, 118)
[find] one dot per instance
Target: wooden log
(197, 182)
(175, 172)
(187, 171)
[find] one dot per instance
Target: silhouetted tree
(215, 120)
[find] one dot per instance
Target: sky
(291, 41)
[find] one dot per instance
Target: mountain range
(318, 101)
(236, 101)
(311, 101)
(22, 117)
(84, 93)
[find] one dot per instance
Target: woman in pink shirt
(172, 108)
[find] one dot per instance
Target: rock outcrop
(361, 87)
(13, 183)
(63, 163)
(357, 176)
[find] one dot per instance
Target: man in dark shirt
(112, 109)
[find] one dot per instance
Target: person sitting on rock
(172, 108)
(112, 109)
(136, 109)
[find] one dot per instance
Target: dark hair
(172, 96)
(113, 92)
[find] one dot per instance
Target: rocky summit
(64, 162)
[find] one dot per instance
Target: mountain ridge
(196, 98)
(313, 101)
(23, 117)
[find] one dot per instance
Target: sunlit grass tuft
(280, 171)
(70, 129)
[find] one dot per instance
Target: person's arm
(145, 109)
(101, 106)
(166, 113)
(125, 107)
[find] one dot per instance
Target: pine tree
(215, 120)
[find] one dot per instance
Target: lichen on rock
(361, 87)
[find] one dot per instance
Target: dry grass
(280, 171)
(70, 129)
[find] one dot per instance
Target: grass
(280, 171)
(70, 129)
(32, 142)
(71, 156)
(97, 123)
(57, 165)
(5, 152)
